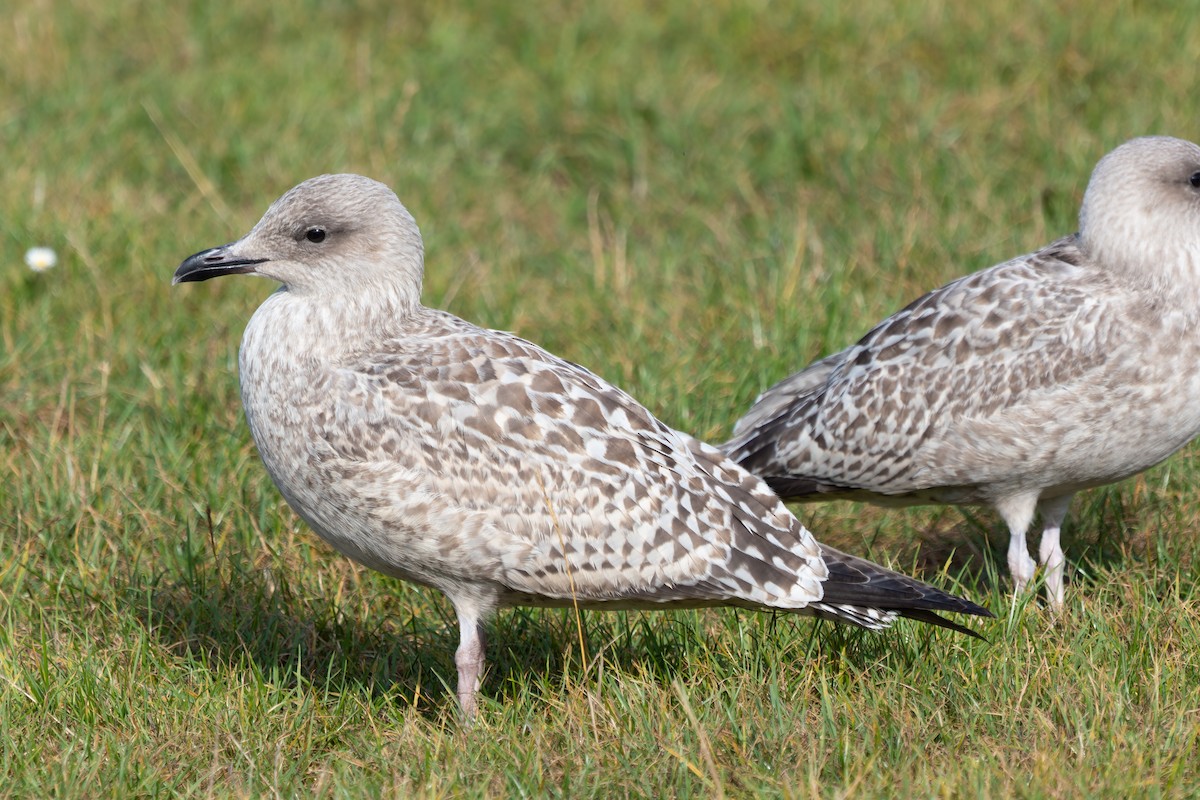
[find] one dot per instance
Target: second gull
(1016, 386)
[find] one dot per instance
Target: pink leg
(469, 659)
(1017, 512)
(1053, 512)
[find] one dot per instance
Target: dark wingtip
(931, 618)
(944, 601)
(799, 489)
(856, 581)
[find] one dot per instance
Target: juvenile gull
(1017, 386)
(477, 463)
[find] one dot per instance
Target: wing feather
(561, 484)
(985, 359)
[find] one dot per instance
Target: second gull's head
(1141, 213)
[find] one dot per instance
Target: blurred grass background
(693, 201)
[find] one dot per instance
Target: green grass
(692, 200)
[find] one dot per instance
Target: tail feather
(864, 617)
(866, 594)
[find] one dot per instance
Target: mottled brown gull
(1017, 386)
(477, 463)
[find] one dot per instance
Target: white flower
(40, 259)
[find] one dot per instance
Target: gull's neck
(314, 326)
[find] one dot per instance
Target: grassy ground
(691, 199)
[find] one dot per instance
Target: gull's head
(333, 234)
(1141, 212)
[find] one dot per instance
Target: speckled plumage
(477, 463)
(1016, 386)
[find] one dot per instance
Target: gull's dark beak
(213, 264)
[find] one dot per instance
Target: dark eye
(317, 235)
(1195, 180)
